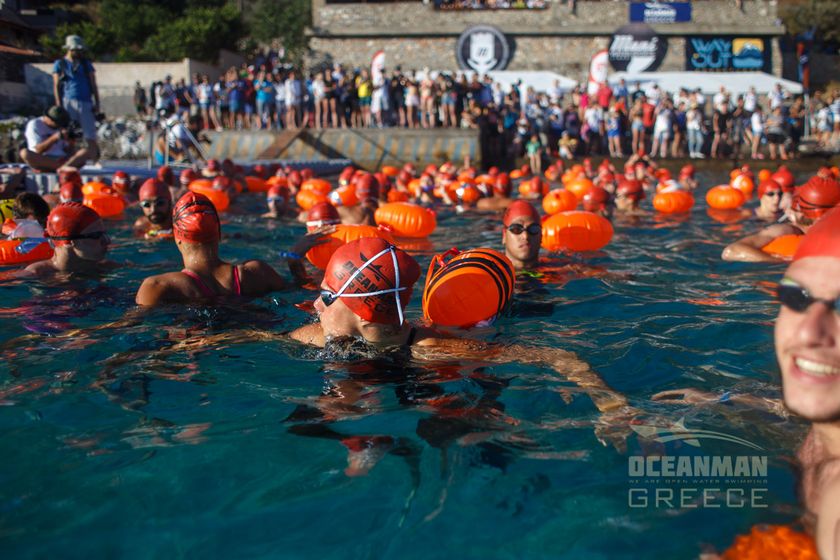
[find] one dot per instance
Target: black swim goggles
(148, 203)
(796, 298)
(532, 229)
(92, 235)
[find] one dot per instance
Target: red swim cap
(187, 177)
(294, 179)
(630, 188)
(817, 196)
(281, 191)
(784, 177)
(373, 278)
(153, 188)
(164, 174)
(69, 176)
(70, 219)
(322, 214)
(409, 167)
(120, 181)
(502, 184)
(768, 185)
(822, 239)
(403, 178)
(260, 171)
(687, 171)
(517, 209)
(367, 187)
(194, 220)
(596, 198)
(213, 165)
(306, 173)
(70, 192)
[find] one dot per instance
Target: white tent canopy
(709, 82)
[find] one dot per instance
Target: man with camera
(75, 90)
(50, 142)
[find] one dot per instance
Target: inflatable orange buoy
(576, 231)
(516, 174)
(320, 255)
(397, 196)
(488, 180)
(673, 202)
(414, 187)
(343, 196)
(406, 219)
(724, 197)
(256, 184)
(579, 186)
(106, 205)
(473, 287)
(95, 187)
(779, 542)
(764, 175)
(308, 199)
(319, 186)
(559, 200)
(743, 183)
(390, 171)
(783, 246)
(279, 181)
(22, 251)
(533, 186)
(219, 198)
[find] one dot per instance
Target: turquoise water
(117, 443)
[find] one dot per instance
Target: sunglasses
(517, 229)
(152, 202)
(796, 298)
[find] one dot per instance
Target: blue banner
(728, 54)
(660, 12)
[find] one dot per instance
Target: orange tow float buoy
(256, 184)
(23, 251)
(320, 255)
(219, 198)
(471, 288)
(320, 186)
(724, 197)
(784, 246)
(576, 231)
(106, 202)
(406, 219)
(579, 186)
(673, 202)
(559, 200)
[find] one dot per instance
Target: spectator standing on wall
(140, 102)
(294, 91)
(75, 89)
(694, 129)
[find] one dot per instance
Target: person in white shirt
(293, 98)
(757, 129)
(750, 100)
(721, 97)
(50, 143)
(776, 97)
(653, 94)
(663, 128)
(694, 129)
(594, 119)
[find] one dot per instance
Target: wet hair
(31, 204)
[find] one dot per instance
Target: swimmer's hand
(613, 427)
(686, 396)
(312, 239)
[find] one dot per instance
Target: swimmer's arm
(697, 396)
(270, 280)
(828, 522)
(159, 289)
(311, 334)
(301, 247)
(748, 249)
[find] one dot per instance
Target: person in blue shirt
(75, 89)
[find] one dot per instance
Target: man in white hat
(74, 89)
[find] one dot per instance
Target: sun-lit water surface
(116, 443)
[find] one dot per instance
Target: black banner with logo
(482, 48)
(637, 48)
(729, 53)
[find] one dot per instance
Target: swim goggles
(276, 199)
(148, 203)
(796, 298)
(532, 229)
(92, 235)
(328, 297)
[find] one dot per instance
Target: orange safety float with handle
(673, 202)
(724, 197)
(559, 200)
(320, 186)
(576, 230)
(470, 288)
(105, 202)
(256, 184)
(320, 255)
(579, 186)
(406, 219)
(219, 198)
(23, 251)
(308, 199)
(783, 246)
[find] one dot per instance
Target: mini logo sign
(482, 48)
(637, 48)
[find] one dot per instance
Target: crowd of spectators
(513, 121)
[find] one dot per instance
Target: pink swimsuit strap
(206, 291)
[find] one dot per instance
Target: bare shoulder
(39, 269)
(311, 334)
(170, 287)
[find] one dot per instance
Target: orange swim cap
(154, 188)
(69, 220)
(194, 220)
(517, 209)
(373, 278)
(822, 239)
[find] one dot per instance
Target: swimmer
(367, 285)
(811, 202)
(367, 193)
(156, 204)
(522, 235)
(78, 236)
(206, 277)
(769, 202)
(500, 199)
(70, 192)
(628, 197)
(598, 201)
(686, 178)
(30, 217)
(321, 215)
(277, 199)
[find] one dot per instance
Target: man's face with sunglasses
(522, 238)
(807, 337)
(771, 200)
(158, 210)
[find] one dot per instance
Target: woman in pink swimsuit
(206, 277)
